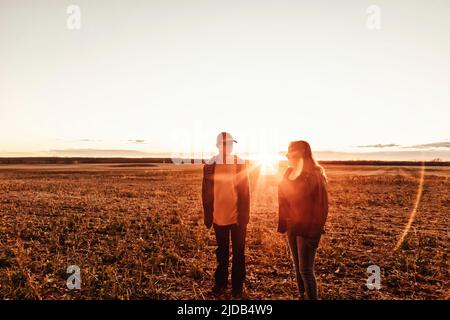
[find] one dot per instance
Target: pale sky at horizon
(154, 75)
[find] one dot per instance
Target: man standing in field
(226, 205)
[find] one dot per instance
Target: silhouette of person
(303, 210)
(226, 204)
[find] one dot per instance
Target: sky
(149, 77)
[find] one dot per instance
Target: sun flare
(268, 164)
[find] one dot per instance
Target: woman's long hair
(310, 164)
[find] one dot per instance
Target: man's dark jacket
(242, 190)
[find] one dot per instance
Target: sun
(268, 163)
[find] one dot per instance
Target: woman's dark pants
(303, 252)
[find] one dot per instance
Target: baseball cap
(225, 137)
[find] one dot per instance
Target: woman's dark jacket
(303, 204)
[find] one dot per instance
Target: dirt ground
(137, 232)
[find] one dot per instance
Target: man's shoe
(238, 293)
(218, 290)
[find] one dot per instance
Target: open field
(137, 233)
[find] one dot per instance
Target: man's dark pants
(237, 233)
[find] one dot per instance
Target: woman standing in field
(303, 210)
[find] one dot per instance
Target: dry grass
(137, 233)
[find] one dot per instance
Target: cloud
(97, 153)
(403, 155)
(81, 140)
(444, 144)
(379, 145)
(137, 141)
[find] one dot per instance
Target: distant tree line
(81, 160)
